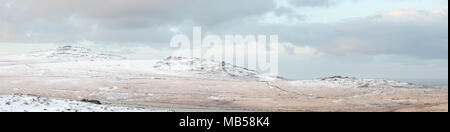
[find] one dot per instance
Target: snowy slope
(347, 82)
(78, 59)
(64, 54)
(28, 103)
(209, 69)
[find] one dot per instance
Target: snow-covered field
(75, 73)
(347, 82)
(28, 103)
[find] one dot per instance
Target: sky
(395, 39)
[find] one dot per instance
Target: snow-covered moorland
(72, 74)
(29, 103)
(349, 82)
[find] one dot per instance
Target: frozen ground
(76, 73)
(28, 103)
(348, 82)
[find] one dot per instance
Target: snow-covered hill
(75, 58)
(65, 54)
(28, 103)
(348, 82)
(210, 69)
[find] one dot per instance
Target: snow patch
(28, 103)
(215, 98)
(108, 88)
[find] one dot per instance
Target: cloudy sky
(395, 39)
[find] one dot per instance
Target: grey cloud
(151, 11)
(421, 34)
(141, 13)
(129, 20)
(313, 3)
(148, 21)
(122, 20)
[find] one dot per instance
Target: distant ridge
(215, 69)
(73, 54)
